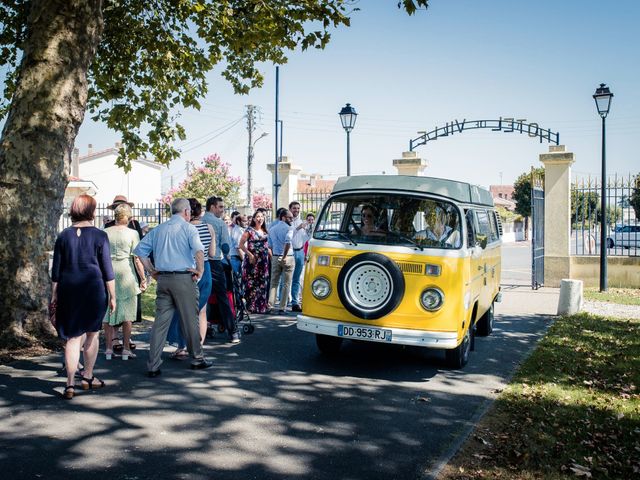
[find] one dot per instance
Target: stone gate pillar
(410, 164)
(557, 214)
(288, 180)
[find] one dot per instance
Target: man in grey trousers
(178, 256)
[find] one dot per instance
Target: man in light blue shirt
(213, 216)
(282, 263)
(178, 256)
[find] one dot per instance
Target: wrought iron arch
(506, 125)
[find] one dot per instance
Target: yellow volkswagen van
(404, 260)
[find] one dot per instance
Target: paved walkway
(270, 408)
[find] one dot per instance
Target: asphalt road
(271, 407)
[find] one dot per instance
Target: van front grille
(338, 261)
(405, 267)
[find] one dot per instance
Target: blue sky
(461, 59)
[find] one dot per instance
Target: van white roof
(460, 191)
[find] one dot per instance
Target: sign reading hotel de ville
(503, 124)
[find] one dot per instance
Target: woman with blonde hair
(82, 289)
(122, 241)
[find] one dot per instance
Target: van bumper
(400, 336)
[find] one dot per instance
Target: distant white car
(626, 236)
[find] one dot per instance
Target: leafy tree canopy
(153, 57)
(522, 191)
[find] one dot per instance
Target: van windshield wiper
(407, 239)
(342, 235)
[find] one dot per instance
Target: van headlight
(432, 299)
(321, 288)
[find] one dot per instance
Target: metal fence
(311, 201)
(623, 209)
(151, 213)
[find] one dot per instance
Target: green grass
(149, 302)
(624, 296)
(572, 410)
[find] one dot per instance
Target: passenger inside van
(441, 232)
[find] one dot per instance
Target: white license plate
(364, 333)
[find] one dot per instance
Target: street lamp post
(348, 118)
(603, 101)
(250, 167)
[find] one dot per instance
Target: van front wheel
(485, 324)
(327, 344)
(459, 356)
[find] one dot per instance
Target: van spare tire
(370, 285)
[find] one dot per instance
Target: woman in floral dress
(255, 267)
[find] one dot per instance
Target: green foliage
(507, 216)
(153, 58)
(584, 206)
(634, 201)
(522, 192)
(211, 178)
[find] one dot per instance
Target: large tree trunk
(35, 150)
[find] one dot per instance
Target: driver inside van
(368, 222)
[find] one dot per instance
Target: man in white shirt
(282, 263)
(297, 243)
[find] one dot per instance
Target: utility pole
(251, 126)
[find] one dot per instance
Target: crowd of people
(98, 276)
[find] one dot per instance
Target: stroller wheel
(220, 328)
(250, 328)
(246, 329)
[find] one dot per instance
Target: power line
(215, 136)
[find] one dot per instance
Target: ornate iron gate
(537, 233)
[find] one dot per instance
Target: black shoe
(282, 312)
(154, 373)
(201, 365)
(296, 308)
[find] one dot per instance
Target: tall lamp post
(603, 101)
(348, 118)
(250, 167)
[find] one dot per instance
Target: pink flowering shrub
(210, 178)
(261, 200)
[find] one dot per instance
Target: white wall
(140, 185)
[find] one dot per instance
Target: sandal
(179, 354)
(69, 392)
(87, 383)
(127, 354)
(117, 347)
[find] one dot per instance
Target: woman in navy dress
(83, 287)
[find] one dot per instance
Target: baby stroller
(235, 294)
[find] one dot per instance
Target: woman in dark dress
(255, 267)
(83, 287)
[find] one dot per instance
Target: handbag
(53, 306)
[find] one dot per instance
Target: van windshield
(390, 219)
